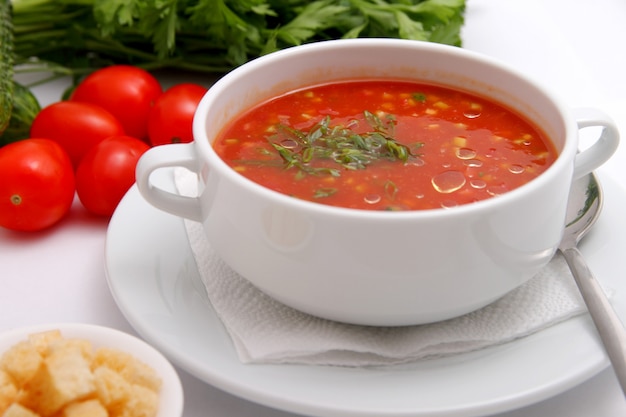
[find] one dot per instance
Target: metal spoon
(583, 209)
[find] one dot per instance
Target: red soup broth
(385, 145)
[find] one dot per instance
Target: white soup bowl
(372, 267)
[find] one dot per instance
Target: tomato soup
(385, 145)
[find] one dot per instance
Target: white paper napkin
(266, 331)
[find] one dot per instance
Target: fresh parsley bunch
(75, 36)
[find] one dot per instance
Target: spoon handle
(608, 324)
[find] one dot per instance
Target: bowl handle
(598, 153)
(168, 156)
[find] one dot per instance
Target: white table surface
(574, 47)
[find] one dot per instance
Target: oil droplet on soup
(372, 198)
(449, 204)
(385, 145)
(465, 153)
(473, 163)
(479, 184)
(516, 169)
(448, 182)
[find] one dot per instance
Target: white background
(575, 48)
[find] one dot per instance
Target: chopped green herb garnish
(324, 192)
(421, 97)
(346, 147)
(391, 189)
(264, 151)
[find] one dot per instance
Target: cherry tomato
(37, 187)
(171, 117)
(75, 126)
(127, 92)
(107, 172)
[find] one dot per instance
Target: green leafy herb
(324, 192)
(421, 97)
(341, 144)
(391, 189)
(76, 36)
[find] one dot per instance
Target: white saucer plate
(153, 277)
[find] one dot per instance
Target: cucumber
(6, 64)
(25, 108)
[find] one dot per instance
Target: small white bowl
(171, 398)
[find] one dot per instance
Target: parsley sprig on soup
(385, 145)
